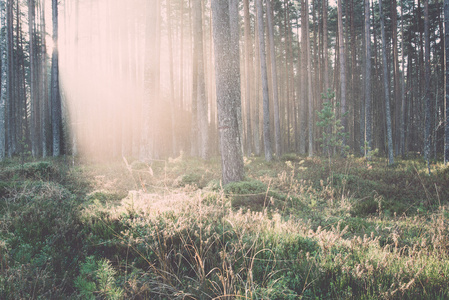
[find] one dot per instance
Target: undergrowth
(298, 228)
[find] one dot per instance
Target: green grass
(296, 228)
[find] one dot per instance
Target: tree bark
(264, 77)
(446, 46)
(367, 112)
(386, 87)
(202, 105)
(4, 81)
(277, 122)
(151, 82)
(427, 84)
(228, 94)
(248, 74)
(56, 112)
(342, 68)
(309, 83)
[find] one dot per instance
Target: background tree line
(139, 78)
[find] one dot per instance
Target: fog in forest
(102, 45)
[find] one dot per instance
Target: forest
(224, 149)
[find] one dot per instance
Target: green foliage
(332, 129)
(290, 231)
(97, 278)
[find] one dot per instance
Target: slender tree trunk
(228, 94)
(4, 81)
(235, 36)
(151, 82)
(303, 79)
(309, 83)
(325, 50)
(263, 71)
(396, 76)
(446, 103)
(277, 122)
(202, 105)
(403, 104)
(56, 112)
(172, 80)
(342, 68)
(248, 75)
(367, 112)
(256, 119)
(427, 84)
(386, 87)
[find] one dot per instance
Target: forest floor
(296, 228)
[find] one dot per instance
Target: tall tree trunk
(386, 86)
(248, 74)
(446, 46)
(228, 94)
(303, 79)
(151, 82)
(396, 75)
(427, 84)
(172, 81)
(56, 112)
(264, 77)
(325, 50)
(4, 80)
(368, 115)
(33, 87)
(257, 93)
(202, 105)
(403, 104)
(235, 36)
(277, 122)
(342, 68)
(309, 82)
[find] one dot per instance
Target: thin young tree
(56, 110)
(228, 93)
(386, 86)
(277, 122)
(264, 77)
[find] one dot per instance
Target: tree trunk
(303, 80)
(427, 84)
(248, 75)
(368, 115)
(277, 122)
(228, 94)
(386, 87)
(56, 112)
(446, 46)
(325, 50)
(264, 77)
(235, 40)
(151, 82)
(309, 82)
(342, 68)
(202, 105)
(4, 81)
